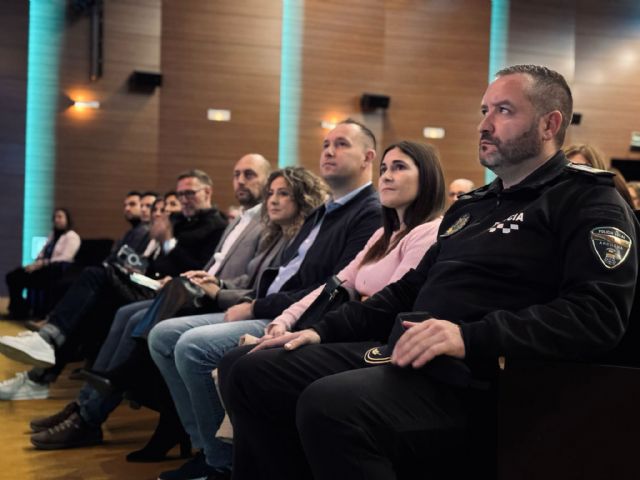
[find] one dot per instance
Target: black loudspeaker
(144, 82)
(371, 101)
(576, 118)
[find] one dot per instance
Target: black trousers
(43, 287)
(321, 412)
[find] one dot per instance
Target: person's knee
(163, 338)
(193, 348)
(325, 401)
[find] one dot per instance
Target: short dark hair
(149, 193)
(549, 92)
(427, 206)
(133, 193)
(170, 193)
(363, 128)
(196, 173)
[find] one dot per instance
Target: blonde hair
(591, 154)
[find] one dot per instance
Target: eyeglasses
(188, 193)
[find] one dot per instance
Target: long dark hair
(67, 214)
(428, 204)
(309, 192)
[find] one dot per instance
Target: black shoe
(220, 475)
(197, 467)
(72, 433)
(98, 381)
(169, 433)
(45, 423)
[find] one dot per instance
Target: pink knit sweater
(373, 277)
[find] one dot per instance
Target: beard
(246, 198)
(511, 152)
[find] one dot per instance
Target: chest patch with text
(508, 225)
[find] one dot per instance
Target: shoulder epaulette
(586, 169)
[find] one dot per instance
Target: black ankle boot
(169, 433)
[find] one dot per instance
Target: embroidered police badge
(378, 355)
(458, 225)
(611, 245)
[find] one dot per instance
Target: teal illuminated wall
(498, 43)
(46, 24)
(290, 81)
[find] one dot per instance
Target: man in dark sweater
(329, 239)
(186, 243)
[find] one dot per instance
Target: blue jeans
(118, 346)
(186, 350)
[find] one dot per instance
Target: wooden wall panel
(218, 55)
(342, 52)
(430, 57)
(103, 154)
(436, 63)
(14, 17)
(596, 46)
(608, 75)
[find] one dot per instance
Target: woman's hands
(290, 341)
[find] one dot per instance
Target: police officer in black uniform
(539, 264)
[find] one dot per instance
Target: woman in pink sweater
(412, 194)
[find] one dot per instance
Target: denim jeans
(186, 350)
(118, 346)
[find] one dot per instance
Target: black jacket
(197, 238)
(344, 232)
(545, 269)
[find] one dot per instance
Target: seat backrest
(93, 251)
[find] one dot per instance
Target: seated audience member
(59, 251)
(171, 203)
(411, 188)
(634, 192)
(233, 211)
(458, 187)
(187, 241)
(588, 155)
(137, 237)
(539, 264)
(235, 254)
(35, 384)
(292, 194)
(327, 242)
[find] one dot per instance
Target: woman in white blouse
(59, 251)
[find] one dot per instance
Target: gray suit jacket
(237, 288)
(243, 249)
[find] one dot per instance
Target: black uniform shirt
(545, 269)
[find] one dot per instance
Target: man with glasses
(88, 307)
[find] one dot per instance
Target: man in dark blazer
(329, 239)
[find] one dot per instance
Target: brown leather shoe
(45, 423)
(72, 433)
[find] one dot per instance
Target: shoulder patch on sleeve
(611, 245)
(580, 168)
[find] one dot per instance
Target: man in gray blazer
(239, 241)
(237, 246)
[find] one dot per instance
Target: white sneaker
(28, 347)
(21, 387)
